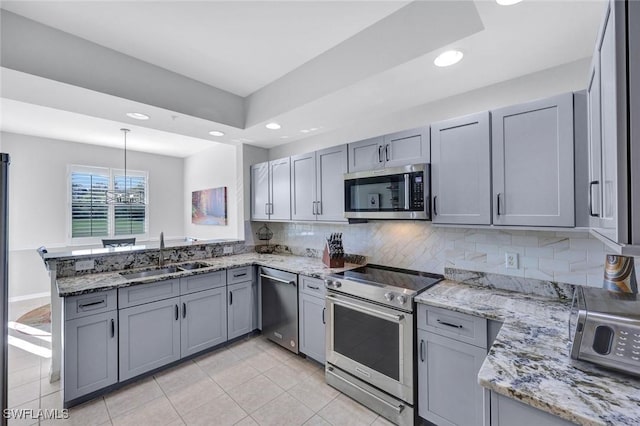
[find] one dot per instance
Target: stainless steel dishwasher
(279, 291)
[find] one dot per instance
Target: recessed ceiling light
(507, 2)
(216, 133)
(137, 115)
(448, 58)
(272, 126)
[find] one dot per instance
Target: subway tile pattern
(561, 257)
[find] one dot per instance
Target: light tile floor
(251, 382)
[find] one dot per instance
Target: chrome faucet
(161, 257)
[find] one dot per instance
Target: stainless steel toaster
(605, 328)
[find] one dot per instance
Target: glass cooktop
(384, 276)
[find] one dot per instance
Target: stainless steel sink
(193, 265)
(150, 273)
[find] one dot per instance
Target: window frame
(111, 173)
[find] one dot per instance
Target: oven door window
(371, 341)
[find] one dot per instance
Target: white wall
(564, 78)
(38, 209)
(213, 168)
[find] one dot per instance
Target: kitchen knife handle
(591, 213)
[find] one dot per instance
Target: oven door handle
(363, 309)
(397, 409)
(280, 280)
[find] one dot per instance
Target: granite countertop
(529, 360)
(88, 283)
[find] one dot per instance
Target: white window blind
(91, 217)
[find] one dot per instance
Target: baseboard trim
(28, 297)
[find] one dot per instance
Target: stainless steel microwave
(393, 193)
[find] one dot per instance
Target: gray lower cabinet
(311, 318)
(448, 389)
(240, 309)
(91, 354)
(312, 327)
(149, 336)
(506, 411)
(533, 163)
(204, 320)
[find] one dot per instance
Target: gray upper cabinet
(91, 353)
(280, 189)
(240, 312)
(149, 336)
(407, 147)
(270, 190)
(303, 187)
(366, 155)
(317, 184)
(204, 320)
(331, 165)
(393, 150)
(461, 170)
(260, 191)
(533, 176)
(595, 143)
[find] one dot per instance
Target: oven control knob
(402, 300)
(337, 284)
(388, 296)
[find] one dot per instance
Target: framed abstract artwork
(209, 206)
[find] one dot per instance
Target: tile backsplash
(564, 257)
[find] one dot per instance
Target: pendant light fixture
(129, 195)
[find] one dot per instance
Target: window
(91, 218)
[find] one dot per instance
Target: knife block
(331, 262)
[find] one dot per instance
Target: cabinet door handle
(498, 202)
(230, 298)
(113, 328)
(435, 206)
(422, 349)
(386, 152)
(448, 324)
(313, 288)
(323, 311)
(266, 209)
(177, 313)
(315, 210)
(184, 310)
(591, 213)
(270, 208)
(239, 275)
(379, 153)
(319, 208)
(88, 305)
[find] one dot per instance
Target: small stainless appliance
(393, 193)
(606, 329)
(279, 294)
(370, 337)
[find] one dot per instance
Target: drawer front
(147, 293)
(239, 275)
(462, 327)
(202, 282)
(90, 304)
(312, 286)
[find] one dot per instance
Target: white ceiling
(243, 46)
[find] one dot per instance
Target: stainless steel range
(370, 337)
